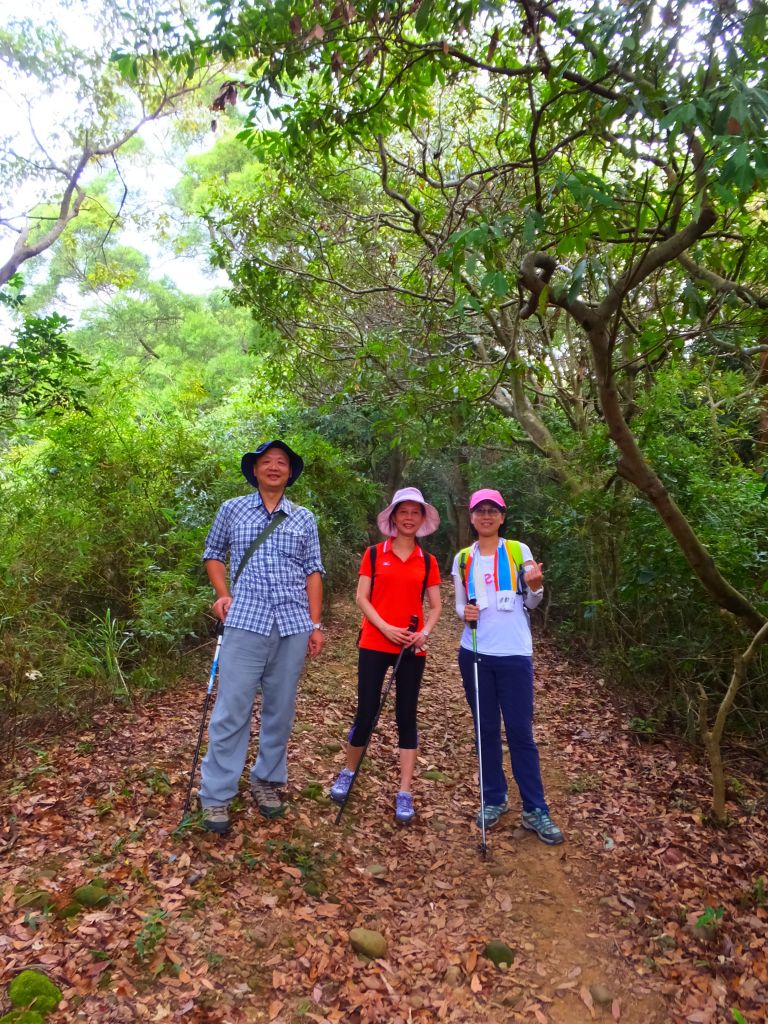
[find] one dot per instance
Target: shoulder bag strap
(273, 524)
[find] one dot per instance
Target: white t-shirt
(498, 633)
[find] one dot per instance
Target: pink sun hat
(487, 494)
(431, 515)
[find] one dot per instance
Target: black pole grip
(413, 624)
(472, 601)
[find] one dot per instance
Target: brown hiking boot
(267, 797)
(216, 819)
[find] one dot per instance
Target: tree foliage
(575, 192)
(40, 370)
(473, 241)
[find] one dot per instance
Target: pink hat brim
(486, 494)
(431, 515)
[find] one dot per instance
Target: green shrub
(103, 518)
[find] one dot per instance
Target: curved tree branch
(722, 284)
(536, 273)
(74, 195)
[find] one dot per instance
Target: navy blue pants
(506, 693)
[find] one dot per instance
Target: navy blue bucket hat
(248, 461)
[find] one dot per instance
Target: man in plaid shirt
(272, 619)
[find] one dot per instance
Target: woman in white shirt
(497, 582)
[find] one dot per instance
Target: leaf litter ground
(644, 915)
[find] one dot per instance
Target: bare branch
(667, 251)
(722, 284)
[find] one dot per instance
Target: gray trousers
(249, 663)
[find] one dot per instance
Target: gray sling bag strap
(273, 524)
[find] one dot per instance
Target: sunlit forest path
(644, 915)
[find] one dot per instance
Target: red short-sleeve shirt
(397, 589)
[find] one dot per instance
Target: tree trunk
(458, 502)
(634, 467)
(762, 426)
(712, 737)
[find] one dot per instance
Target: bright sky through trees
(59, 94)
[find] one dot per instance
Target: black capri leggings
(371, 669)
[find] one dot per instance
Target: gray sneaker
(216, 819)
(267, 797)
(539, 821)
(491, 813)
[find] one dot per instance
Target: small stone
(601, 994)
(258, 937)
(499, 870)
(33, 990)
(520, 832)
(23, 1017)
(368, 943)
(452, 976)
(498, 953)
(50, 872)
(513, 998)
(69, 910)
(705, 932)
(34, 899)
(376, 869)
(611, 902)
(90, 896)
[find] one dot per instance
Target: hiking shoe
(267, 797)
(404, 811)
(340, 789)
(539, 821)
(491, 813)
(216, 819)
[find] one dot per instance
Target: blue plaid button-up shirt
(273, 585)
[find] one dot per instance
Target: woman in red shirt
(389, 594)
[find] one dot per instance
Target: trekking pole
(208, 692)
(473, 627)
(411, 626)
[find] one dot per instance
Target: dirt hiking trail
(255, 926)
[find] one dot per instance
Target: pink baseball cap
(487, 494)
(431, 515)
